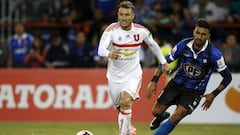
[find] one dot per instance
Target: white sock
(124, 121)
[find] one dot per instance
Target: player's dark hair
(202, 22)
(126, 4)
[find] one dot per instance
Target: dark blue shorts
(175, 94)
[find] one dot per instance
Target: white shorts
(132, 86)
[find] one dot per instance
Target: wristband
(155, 78)
(216, 92)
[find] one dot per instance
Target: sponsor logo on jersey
(128, 52)
(193, 71)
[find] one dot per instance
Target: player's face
(19, 28)
(200, 36)
(125, 18)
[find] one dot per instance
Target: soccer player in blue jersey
(198, 59)
(18, 46)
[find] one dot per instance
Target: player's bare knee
(158, 109)
(125, 103)
(156, 112)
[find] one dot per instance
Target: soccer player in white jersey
(121, 42)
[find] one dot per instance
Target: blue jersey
(195, 68)
(19, 48)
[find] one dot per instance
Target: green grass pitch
(109, 128)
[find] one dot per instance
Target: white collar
(24, 35)
(190, 45)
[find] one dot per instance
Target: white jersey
(129, 43)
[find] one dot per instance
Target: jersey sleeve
(104, 43)
(154, 47)
(219, 63)
(175, 52)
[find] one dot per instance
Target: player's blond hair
(126, 4)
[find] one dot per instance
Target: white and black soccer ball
(84, 132)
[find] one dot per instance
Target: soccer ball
(84, 132)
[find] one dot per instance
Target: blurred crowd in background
(65, 33)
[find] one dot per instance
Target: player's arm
(227, 78)
(152, 86)
(157, 52)
(154, 47)
(176, 52)
(173, 55)
(104, 43)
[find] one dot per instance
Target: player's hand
(114, 54)
(208, 101)
(166, 68)
(151, 89)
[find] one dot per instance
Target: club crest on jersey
(136, 37)
(204, 60)
(193, 71)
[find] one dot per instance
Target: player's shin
(165, 128)
(124, 121)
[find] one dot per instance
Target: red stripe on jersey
(112, 26)
(127, 45)
(139, 26)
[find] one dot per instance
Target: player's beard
(199, 43)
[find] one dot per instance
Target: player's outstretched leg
(157, 120)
